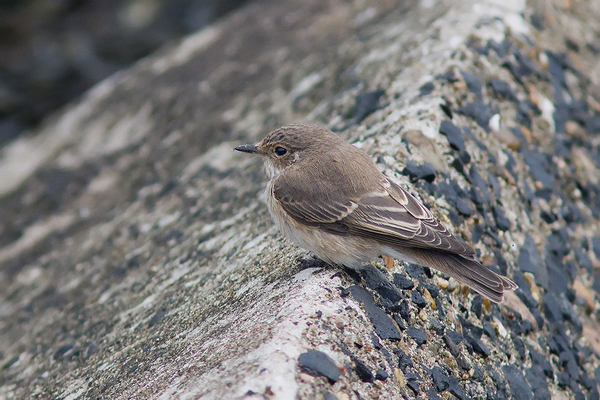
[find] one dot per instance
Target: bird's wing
(390, 214)
(386, 213)
(313, 205)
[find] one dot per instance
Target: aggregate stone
(502, 221)
(419, 336)
(377, 281)
(455, 389)
(362, 370)
(502, 90)
(539, 166)
(384, 326)
(530, 260)
(440, 379)
(417, 172)
(366, 104)
(500, 48)
(537, 380)
(558, 279)
(402, 282)
(418, 299)
(317, 363)
(426, 89)
(453, 134)
(478, 111)
(519, 388)
(473, 82)
(404, 360)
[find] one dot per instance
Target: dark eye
(280, 151)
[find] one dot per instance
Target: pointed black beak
(248, 148)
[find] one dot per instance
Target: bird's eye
(280, 151)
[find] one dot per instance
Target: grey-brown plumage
(329, 197)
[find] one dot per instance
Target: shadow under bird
(328, 196)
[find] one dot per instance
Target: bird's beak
(249, 148)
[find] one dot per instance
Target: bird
(328, 196)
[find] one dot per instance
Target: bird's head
(289, 145)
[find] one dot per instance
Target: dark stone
(489, 330)
(417, 335)
(366, 104)
(558, 280)
(157, 318)
(558, 242)
(440, 379)
(473, 82)
(317, 363)
(384, 326)
(502, 90)
(479, 183)
(455, 389)
(376, 280)
(412, 381)
(418, 299)
(404, 310)
(537, 21)
(519, 388)
(62, 350)
(432, 395)
(499, 48)
(502, 222)
(478, 345)
(530, 260)
(13, 361)
(403, 282)
(404, 360)
(447, 110)
(437, 326)
(434, 290)
(416, 172)
(399, 321)
(596, 246)
(592, 125)
(426, 89)
(537, 380)
(415, 271)
(520, 347)
(568, 363)
(476, 233)
(539, 164)
(447, 76)
(479, 112)
(476, 304)
(381, 375)
(453, 134)
(548, 216)
(363, 372)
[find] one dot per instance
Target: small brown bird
(329, 197)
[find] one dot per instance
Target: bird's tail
(467, 271)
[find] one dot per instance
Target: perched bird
(328, 196)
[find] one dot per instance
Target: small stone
(317, 363)
(403, 282)
(426, 89)
(519, 388)
(440, 379)
(473, 82)
(381, 375)
(417, 335)
(502, 222)
(367, 103)
(453, 134)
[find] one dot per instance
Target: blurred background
(51, 51)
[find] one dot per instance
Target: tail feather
(467, 271)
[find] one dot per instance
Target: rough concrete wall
(138, 260)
